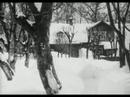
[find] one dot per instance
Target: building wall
(64, 48)
(103, 31)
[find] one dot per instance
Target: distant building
(102, 30)
(83, 31)
(63, 46)
(102, 36)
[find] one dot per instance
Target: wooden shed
(101, 31)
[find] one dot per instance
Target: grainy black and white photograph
(54, 48)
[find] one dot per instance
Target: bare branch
(124, 18)
(127, 10)
(57, 6)
(21, 20)
(72, 36)
(33, 8)
(68, 35)
(111, 19)
(127, 28)
(35, 12)
(90, 7)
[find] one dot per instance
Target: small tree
(69, 32)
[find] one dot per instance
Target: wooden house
(59, 41)
(85, 36)
(101, 32)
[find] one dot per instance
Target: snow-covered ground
(77, 75)
(25, 81)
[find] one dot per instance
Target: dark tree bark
(7, 70)
(6, 47)
(44, 58)
(121, 34)
(27, 58)
(87, 51)
(40, 33)
(70, 39)
(13, 54)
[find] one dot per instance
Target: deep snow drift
(77, 75)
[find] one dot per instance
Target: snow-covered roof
(93, 25)
(79, 30)
(81, 35)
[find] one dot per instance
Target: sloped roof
(93, 24)
(106, 24)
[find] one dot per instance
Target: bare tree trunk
(56, 77)
(116, 48)
(12, 62)
(40, 32)
(44, 62)
(44, 57)
(69, 50)
(128, 58)
(27, 54)
(87, 53)
(6, 69)
(122, 48)
(122, 51)
(27, 59)
(111, 44)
